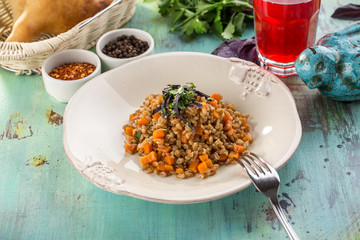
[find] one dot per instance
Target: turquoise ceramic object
(333, 65)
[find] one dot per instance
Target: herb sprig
(224, 18)
(176, 98)
(138, 136)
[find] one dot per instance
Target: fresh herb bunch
(176, 98)
(224, 18)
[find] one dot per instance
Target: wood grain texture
(319, 190)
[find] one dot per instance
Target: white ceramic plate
(94, 140)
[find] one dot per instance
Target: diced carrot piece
(144, 160)
(143, 121)
(168, 168)
(161, 167)
(238, 148)
(216, 115)
(243, 121)
(132, 116)
(223, 157)
(179, 171)
(199, 130)
(230, 129)
(227, 118)
(204, 157)
(228, 126)
(129, 131)
(147, 148)
(152, 156)
(130, 148)
(202, 167)
(156, 116)
(209, 163)
(184, 139)
(158, 134)
(214, 104)
(164, 149)
(227, 121)
(169, 160)
(233, 155)
(130, 138)
(216, 96)
(248, 137)
(164, 167)
(204, 106)
(193, 165)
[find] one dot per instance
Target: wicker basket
(27, 58)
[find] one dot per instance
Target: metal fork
(266, 180)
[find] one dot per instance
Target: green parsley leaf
(229, 31)
(164, 111)
(194, 26)
(217, 27)
(191, 85)
(138, 136)
(239, 22)
(196, 17)
(163, 7)
(176, 16)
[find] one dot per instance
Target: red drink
(284, 28)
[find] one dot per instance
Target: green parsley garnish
(224, 18)
(138, 136)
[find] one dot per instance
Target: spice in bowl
(125, 47)
(72, 71)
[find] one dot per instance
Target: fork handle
(280, 214)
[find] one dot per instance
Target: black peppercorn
(125, 47)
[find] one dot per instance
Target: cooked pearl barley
(216, 141)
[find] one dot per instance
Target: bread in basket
(27, 58)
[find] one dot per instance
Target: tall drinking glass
(284, 28)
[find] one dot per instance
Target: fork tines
(254, 162)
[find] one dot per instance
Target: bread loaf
(32, 17)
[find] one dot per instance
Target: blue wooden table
(42, 196)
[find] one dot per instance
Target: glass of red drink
(283, 29)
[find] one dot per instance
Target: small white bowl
(62, 90)
(111, 62)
